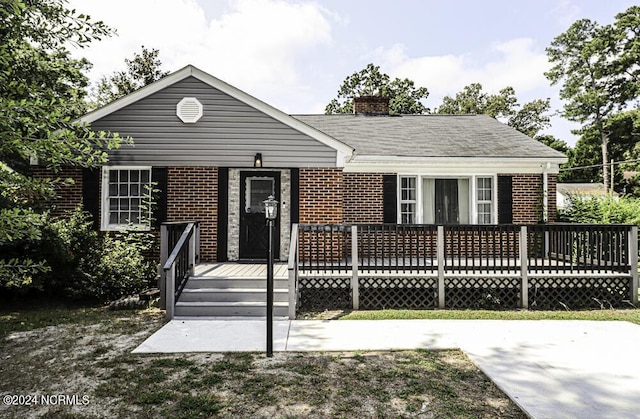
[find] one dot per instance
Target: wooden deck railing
(442, 252)
(179, 253)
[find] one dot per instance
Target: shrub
(83, 264)
(122, 268)
(609, 210)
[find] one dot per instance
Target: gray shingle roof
(429, 136)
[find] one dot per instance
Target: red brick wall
(68, 195)
(192, 194)
(527, 198)
(553, 182)
(321, 196)
(363, 198)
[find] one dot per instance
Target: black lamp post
(270, 213)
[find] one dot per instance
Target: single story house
(215, 153)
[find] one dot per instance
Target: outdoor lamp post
(270, 213)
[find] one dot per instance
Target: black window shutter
(223, 216)
(389, 198)
(505, 200)
(294, 205)
(91, 194)
(159, 178)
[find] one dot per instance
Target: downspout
(545, 193)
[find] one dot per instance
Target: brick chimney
(371, 105)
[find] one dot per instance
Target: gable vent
(189, 110)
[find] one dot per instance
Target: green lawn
(630, 315)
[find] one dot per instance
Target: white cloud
(253, 44)
(516, 63)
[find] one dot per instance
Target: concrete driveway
(550, 368)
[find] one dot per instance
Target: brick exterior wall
(321, 196)
(192, 194)
(553, 197)
(527, 198)
(68, 195)
(363, 198)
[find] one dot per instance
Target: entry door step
(229, 308)
(232, 295)
(234, 283)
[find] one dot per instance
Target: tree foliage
(405, 97)
(529, 119)
(143, 69)
(598, 68)
(472, 100)
(42, 91)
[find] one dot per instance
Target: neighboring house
(565, 191)
(215, 153)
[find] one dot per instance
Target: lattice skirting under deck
(493, 293)
(378, 293)
(553, 293)
(325, 293)
(490, 293)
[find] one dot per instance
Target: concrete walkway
(551, 369)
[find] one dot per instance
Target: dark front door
(254, 235)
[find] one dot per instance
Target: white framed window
(484, 199)
(408, 199)
(125, 198)
(426, 199)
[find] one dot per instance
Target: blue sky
(295, 54)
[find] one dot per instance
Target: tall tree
(472, 100)
(42, 90)
(143, 69)
(581, 63)
(624, 51)
(529, 119)
(532, 118)
(405, 97)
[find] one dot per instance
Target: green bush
(123, 268)
(83, 264)
(602, 210)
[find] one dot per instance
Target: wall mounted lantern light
(257, 160)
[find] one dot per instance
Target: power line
(599, 165)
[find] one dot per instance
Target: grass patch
(630, 315)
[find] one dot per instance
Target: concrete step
(225, 308)
(232, 294)
(235, 283)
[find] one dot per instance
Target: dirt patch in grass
(93, 362)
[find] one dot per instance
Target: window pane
(127, 187)
(484, 189)
(407, 213)
(408, 188)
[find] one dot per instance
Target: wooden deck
(231, 270)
